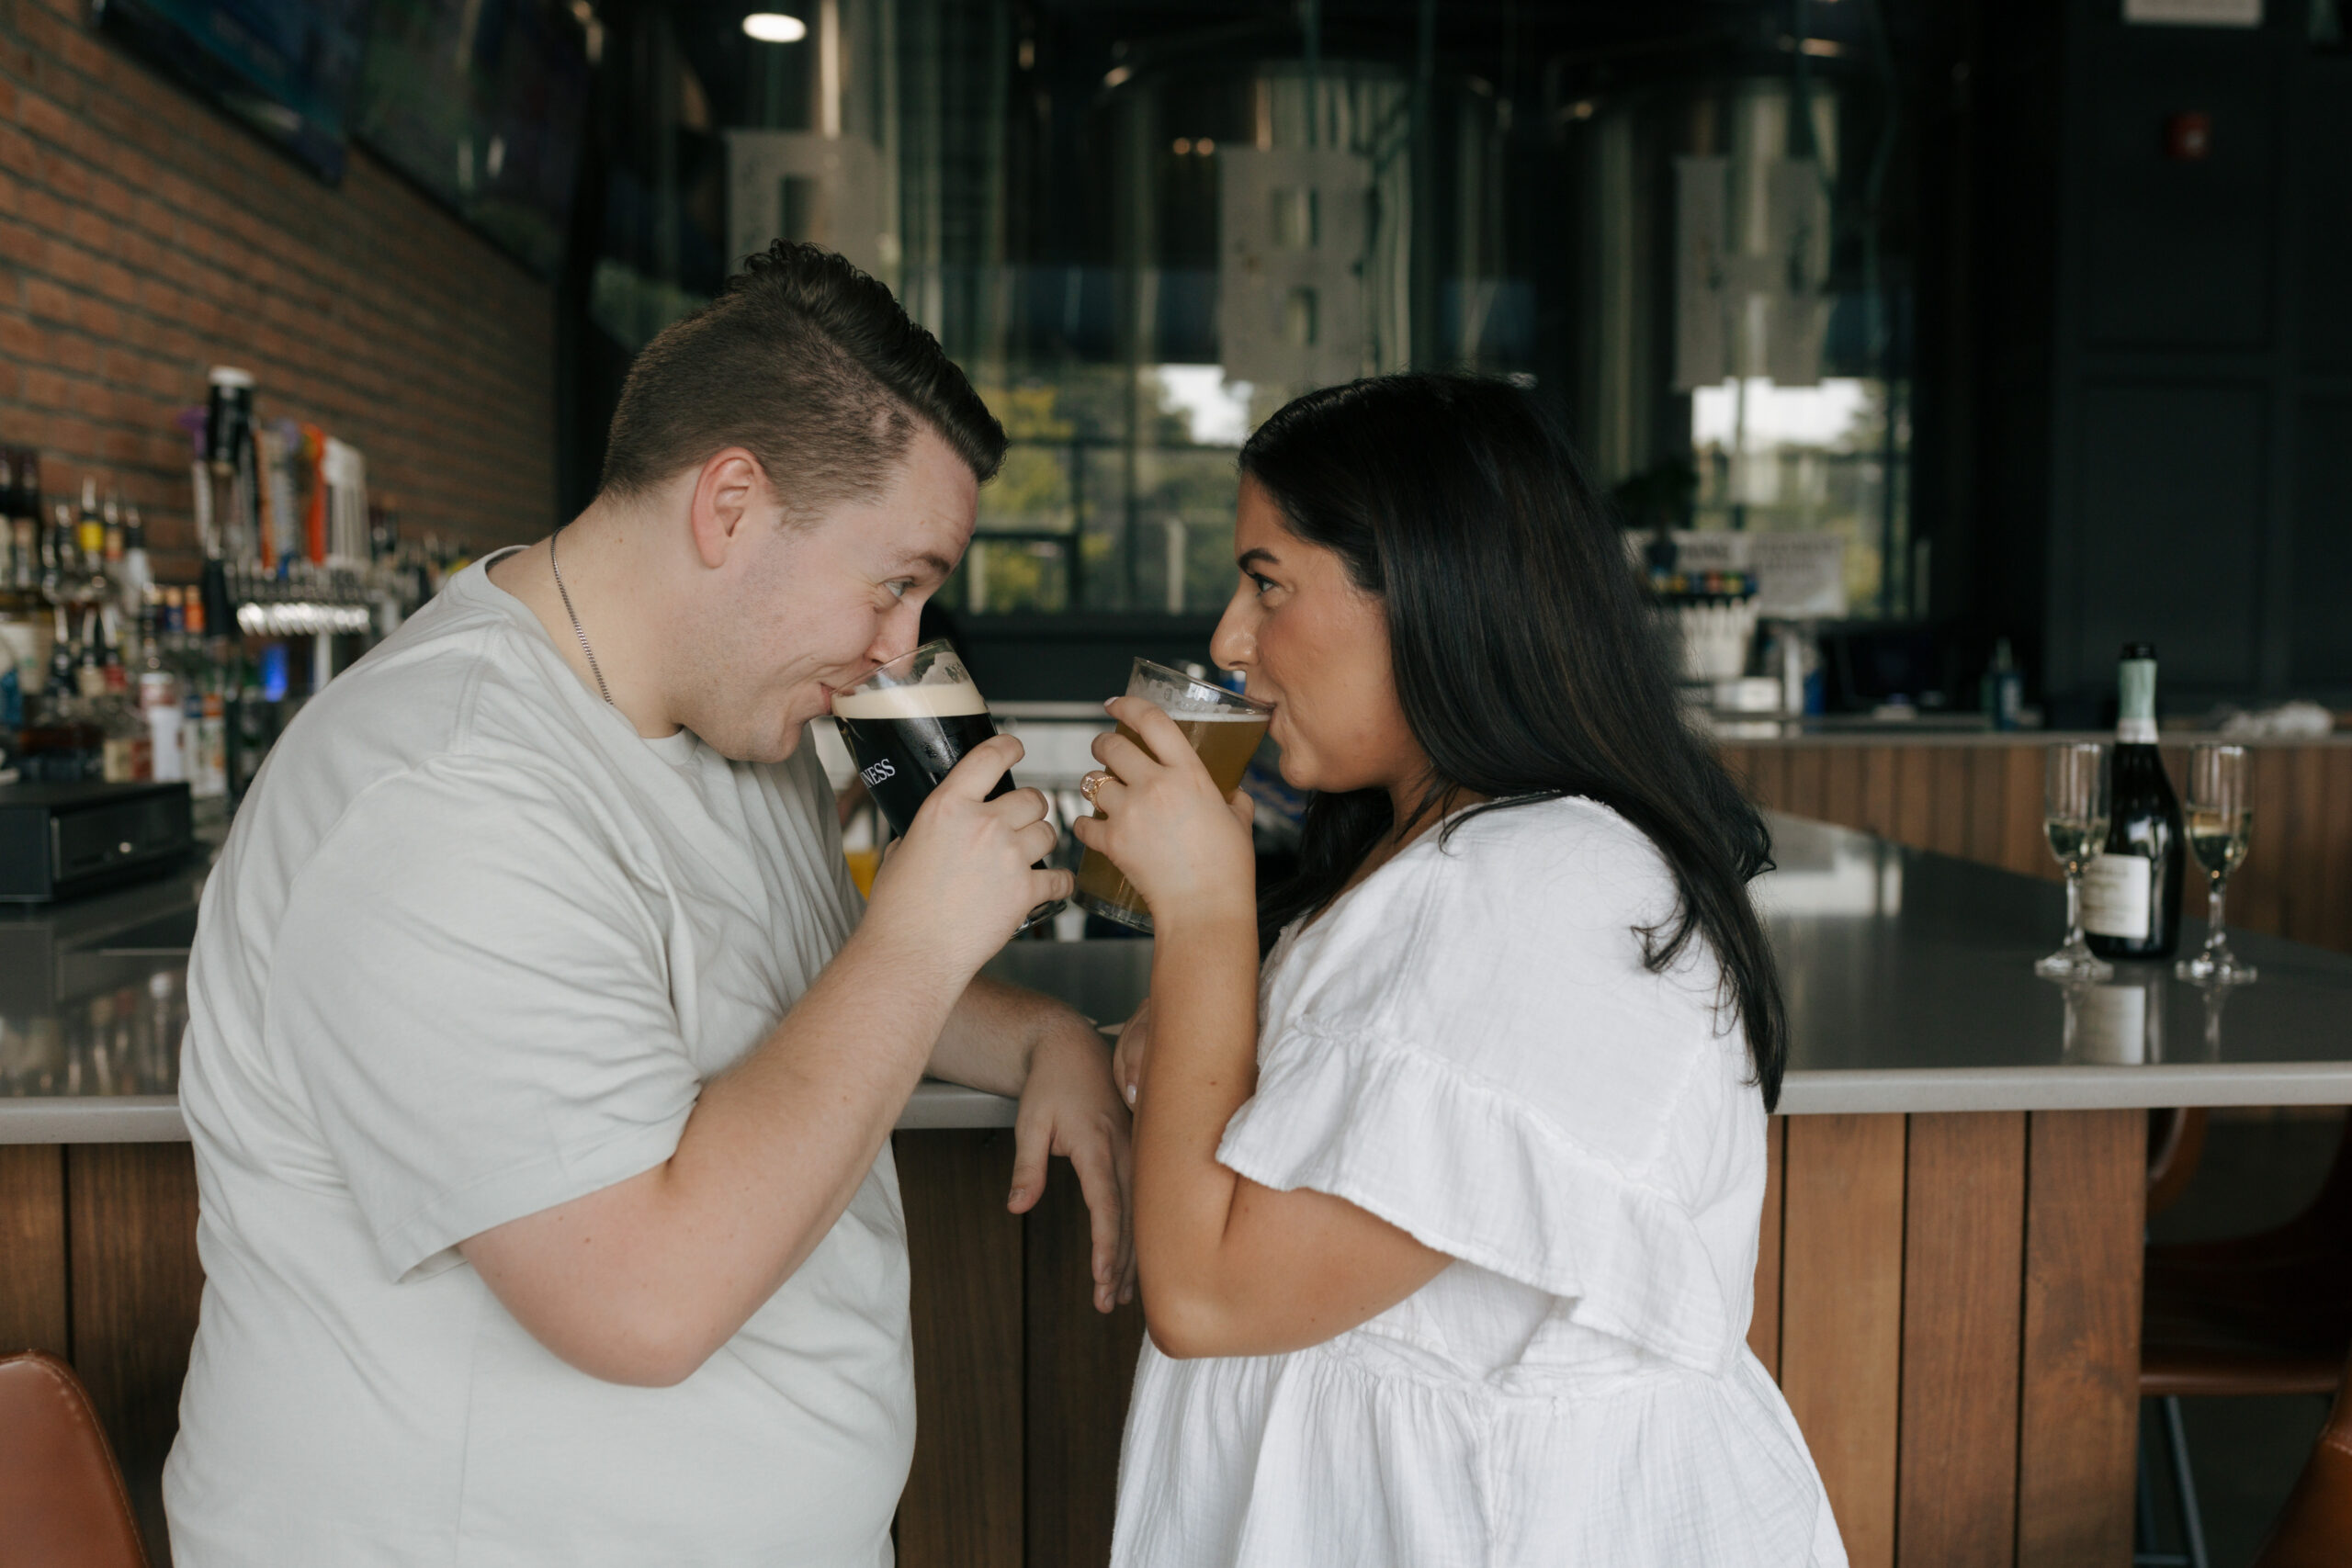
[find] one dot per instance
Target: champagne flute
(2074, 818)
(2221, 820)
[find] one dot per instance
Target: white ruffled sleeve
(1483, 1111)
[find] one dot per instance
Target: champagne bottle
(2132, 891)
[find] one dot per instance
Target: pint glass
(910, 721)
(1224, 728)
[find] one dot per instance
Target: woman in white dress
(1446, 1216)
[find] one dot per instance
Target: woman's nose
(1233, 647)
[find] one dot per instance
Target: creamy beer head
(940, 700)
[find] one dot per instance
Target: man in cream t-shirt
(541, 1060)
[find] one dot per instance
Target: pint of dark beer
(907, 723)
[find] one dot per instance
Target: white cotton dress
(1468, 1045)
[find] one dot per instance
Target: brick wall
(145, 237)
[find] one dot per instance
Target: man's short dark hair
(810, 364)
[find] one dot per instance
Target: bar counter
(1910, 979)
(1947, 1287)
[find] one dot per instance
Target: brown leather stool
(62, 1500)
(2259, 1314)
(2315, 1530)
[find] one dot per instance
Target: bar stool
(2315, 1530)
(2267, 1313)
(61, 1499)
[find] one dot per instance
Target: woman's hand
(1160, 821)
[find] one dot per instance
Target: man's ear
(730, 497)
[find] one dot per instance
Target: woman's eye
(1265, 585)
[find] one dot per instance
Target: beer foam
(940, 701)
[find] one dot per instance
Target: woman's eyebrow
(1261, 556)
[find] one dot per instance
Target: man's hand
(1068, 1107)
(1016, 1043)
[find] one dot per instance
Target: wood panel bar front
(136, 1287)
(2085, 1183)
(33, 1313)
(1764, 1321)
(1081, 1367)
(1841, 1314)
(961, 1506)
(1949, 1301)
(1964, 1261)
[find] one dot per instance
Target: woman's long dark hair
(1527, 661)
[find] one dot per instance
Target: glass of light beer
(910, 721)
(1224, 728)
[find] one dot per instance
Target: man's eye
(902, 588)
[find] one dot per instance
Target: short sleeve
(472, 988)
(1405, 1070)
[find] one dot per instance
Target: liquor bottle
(9, 502)
(137, 572)
(2132, 891)
(24, 525)
(59, 566)
(90, 535)
(63, 685)
(89, 660)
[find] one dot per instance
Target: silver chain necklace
(576, 630)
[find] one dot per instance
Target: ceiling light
(774, 27)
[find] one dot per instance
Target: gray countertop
(1910, 979)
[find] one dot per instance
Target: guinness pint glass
(1224, 728)
(907, 723)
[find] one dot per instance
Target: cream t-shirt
(472, 950)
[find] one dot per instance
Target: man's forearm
(640, 1282)
(992, 1033)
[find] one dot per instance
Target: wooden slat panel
(1842, 786)
(1080, 1368)
(1948, 827)
(1768, 774)
(2258, 894)
(2086, 1174)
(32, 1250)
(1963, 1260)
(2334, 849)
(1764, 1326)
(2024, 845)
(1841, 1314)
(1803, 787)
(136, 1284)
(1878, 787)
(963, 1500)
(1915, 797)
(1987, 804)
(2304, 918)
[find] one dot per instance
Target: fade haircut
(810, 366)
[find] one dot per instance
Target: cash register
(58, 841)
